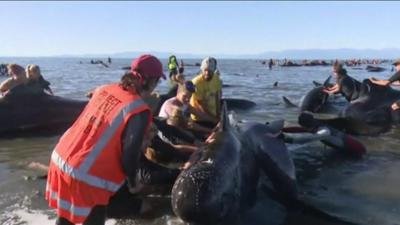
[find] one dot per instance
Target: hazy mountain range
(342, 53)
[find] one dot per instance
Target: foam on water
(34, 217)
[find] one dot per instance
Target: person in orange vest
(95, 162)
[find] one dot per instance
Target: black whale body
(26, 114)
(374, 68)
(222, 183)
(369, 114)
(373, 109)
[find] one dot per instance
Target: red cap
(147, 65)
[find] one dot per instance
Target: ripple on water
(365, 188)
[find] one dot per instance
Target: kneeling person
(177, 110)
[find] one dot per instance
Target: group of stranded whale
(369, 114)
(222, 181)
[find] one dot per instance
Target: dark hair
(187, 86)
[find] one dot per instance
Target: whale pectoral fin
(273, 159)
(288, 103)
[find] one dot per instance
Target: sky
(57, 28)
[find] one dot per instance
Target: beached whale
(369, 114)
(315, 100)
(374, 68)
(373, 108)
(27, 114)
(222, 181)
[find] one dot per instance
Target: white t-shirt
(167, 109)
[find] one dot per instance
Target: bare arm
(200, 103)
(187, 149)
(201, 114)
(380, 82)
(197, 127)
(332, 90)
(5, 85)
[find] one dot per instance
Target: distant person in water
(36, 80)
(349, 87)
(394, 79)
(270, 64)
(3, 70)
(109, 60)
(175, 75)
(17, 77)
(207, 98)
(172, 66)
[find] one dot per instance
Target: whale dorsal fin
(316, 84)
(225, 125)
(326, 82)
(288, 103)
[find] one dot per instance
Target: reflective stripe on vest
(108, 134)
(68, 206)
(81, 173)
(83, 176)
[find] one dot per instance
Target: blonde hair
(177, 118)
(16, 69)
(33, 72)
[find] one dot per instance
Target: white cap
(209, 63)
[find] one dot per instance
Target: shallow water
(363, 191)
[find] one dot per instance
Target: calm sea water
(364, 191)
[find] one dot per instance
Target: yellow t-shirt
(206, 92)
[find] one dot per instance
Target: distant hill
(343, 53)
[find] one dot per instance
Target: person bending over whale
(394, 79)
(97, 157)
(176, 111)
(17, 77)
(36, 80)
(349, 87)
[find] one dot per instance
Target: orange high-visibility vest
(85, 168)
